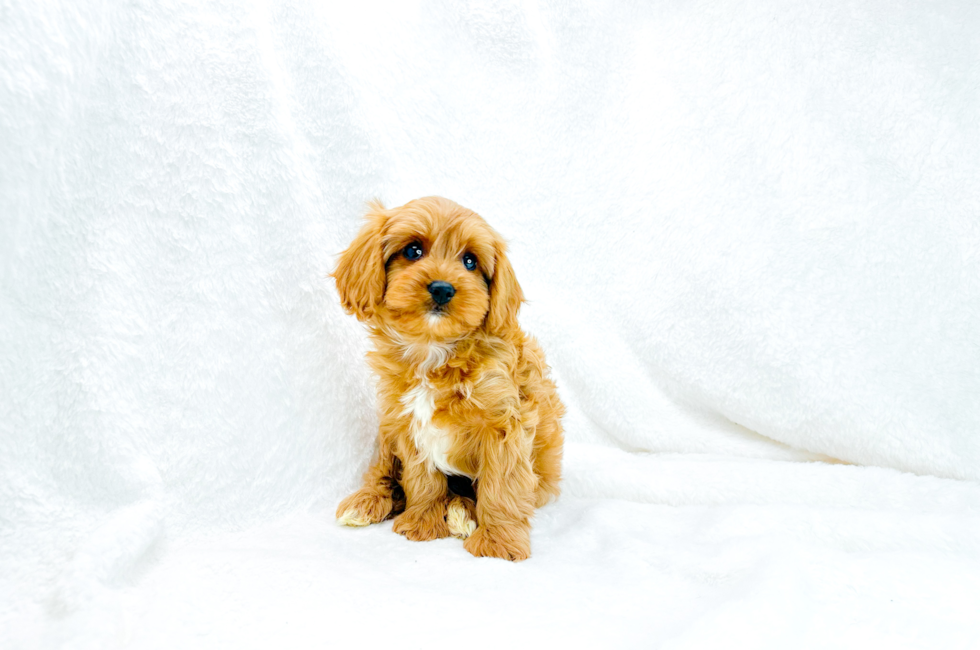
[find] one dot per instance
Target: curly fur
(462, 390)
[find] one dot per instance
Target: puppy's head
(431, 270)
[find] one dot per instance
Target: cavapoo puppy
(462, 391)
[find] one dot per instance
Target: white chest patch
(431, 441)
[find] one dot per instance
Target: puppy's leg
(425, 502)
(461, 516)
(505, 497)
(379, 497)
(461, 510)
(547, 460)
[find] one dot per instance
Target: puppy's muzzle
(441, 292)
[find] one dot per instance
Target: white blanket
(750, 236)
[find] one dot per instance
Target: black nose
(442, 292)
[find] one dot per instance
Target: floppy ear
(505, 295)
(360, 272)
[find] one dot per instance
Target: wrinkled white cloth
(750, 237)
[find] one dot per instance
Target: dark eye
(413, 251)
(469, 261)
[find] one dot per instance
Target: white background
(750, 237)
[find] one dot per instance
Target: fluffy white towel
(750, 235)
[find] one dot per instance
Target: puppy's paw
(364, 507)
(421, 525)
(508, 543)
(461, 517)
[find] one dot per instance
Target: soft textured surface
(750, 233)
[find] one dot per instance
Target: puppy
(462, 391)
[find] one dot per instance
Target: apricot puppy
(462, 392)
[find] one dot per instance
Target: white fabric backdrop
(750, 234)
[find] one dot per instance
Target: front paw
(506, 542)
(422, 525)
(364, 507)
